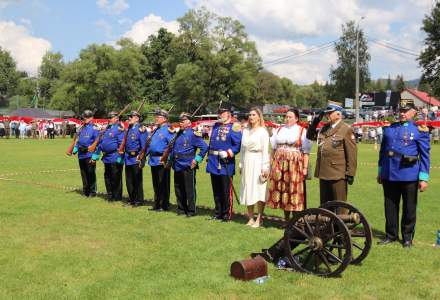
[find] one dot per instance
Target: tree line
(210, 60)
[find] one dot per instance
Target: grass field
(56, 244)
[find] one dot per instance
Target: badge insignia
(236, 127)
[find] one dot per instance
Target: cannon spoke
(298, 241)
(333, 256)
(325, 261)
(357, 246)
(300, 231)
(333, 246)
(311, 231)
(317, 263)
(301, 251)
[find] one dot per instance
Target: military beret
(87, 114)
(184, 116)
(161, 112)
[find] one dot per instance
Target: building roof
(424, 97)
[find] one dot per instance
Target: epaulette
(197, 133)
(171, 129)
(423, 128)
(236, 127)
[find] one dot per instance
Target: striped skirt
(286, 181)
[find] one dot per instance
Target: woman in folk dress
(290, 158)
(254, 166)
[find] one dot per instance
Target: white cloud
(300, 69)
(26, 50)
(149, 25)
(104, 26)
(285, 18)
(115, 7)
(282, 24)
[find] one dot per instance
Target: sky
(288, 33)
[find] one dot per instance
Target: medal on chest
(405, 137)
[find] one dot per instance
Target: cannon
(322, 241)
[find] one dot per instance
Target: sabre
(230, 179)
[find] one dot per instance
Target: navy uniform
(136, 139)
(87, 161)
(403, 162)
(113, 164)
(160, 175)
(184, 161)
(223, 146)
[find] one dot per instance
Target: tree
(429, 58)
(8, 76)
(344, 75)
(158, 50)
(227, 62)
(103, 79)
(269, 88)
(400, 83)
(50, 71)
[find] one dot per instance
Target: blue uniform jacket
(224, 137)
(110, 142)
(159, 142)
(404, 139)
(86, 137)
(136, 139)
(185, 147)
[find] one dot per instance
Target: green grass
(55, 244)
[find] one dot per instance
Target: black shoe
(190, 215)
(155, 209)
(386, 241)
(407, 244)
(92, 194)
(213, 218)
(225, 220)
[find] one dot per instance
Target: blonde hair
(260, 115)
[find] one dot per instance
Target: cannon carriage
(322, 241)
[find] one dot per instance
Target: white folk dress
(254, 157)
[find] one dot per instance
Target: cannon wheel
(361, 233)
(317, 242)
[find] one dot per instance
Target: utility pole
(356, 97)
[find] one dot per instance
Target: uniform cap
(87, 114)
(184, 116)
(407, 106)
(134, 113)
(223, 109)
(113, 114)
(161, 112)
(333, 107)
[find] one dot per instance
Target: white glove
(223, 154)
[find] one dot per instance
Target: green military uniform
(336, 161)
